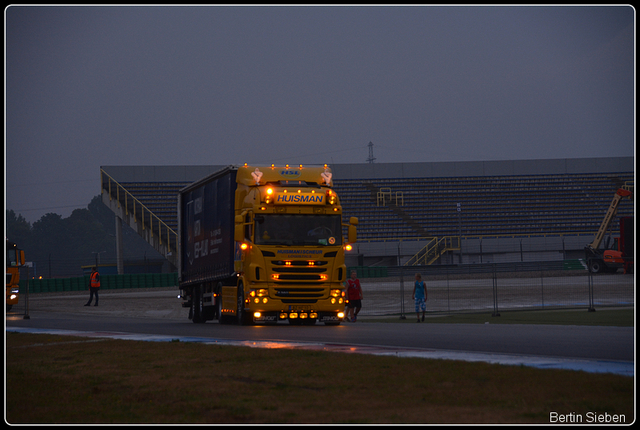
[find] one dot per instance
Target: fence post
(402, 316)
(26, 310)
(591, 307)
(448, 294)
(542, 286)
(495, 293)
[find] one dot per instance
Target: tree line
(60, 247)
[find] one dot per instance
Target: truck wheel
(596, 266)
(197, 307)
(221, 319)
(241, 315)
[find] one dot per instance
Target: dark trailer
(206, 223)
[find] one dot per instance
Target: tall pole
(371, 157)
(459, 209)
(119, 246)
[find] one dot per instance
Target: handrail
(127, 194)
(383, 193)
(433, 250)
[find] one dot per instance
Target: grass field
(57, 379)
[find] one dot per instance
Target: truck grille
(299, 271)
(299, 293)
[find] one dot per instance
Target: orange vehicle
(611, 260)
(15, 259)
(622, 252)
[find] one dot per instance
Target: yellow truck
(262, 244)
(15, 259)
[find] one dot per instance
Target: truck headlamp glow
(269, 196)
(331, 197)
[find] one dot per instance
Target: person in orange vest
(94, 286)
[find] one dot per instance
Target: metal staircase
(385, 197)
(137, 216)
(434, 250)
(436, 246)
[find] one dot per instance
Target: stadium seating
(427, 207)
(490, 205)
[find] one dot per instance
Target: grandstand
(521, 210)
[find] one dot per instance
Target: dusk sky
(192, 85)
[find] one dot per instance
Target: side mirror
(238, 233)
(352, 235)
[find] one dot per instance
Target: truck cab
(264, 244)
(289, 228)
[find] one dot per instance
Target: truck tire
(197, 309)
(222, 319)
(243, 318)
(596, 266)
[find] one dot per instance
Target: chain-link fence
(492, 287)
(495, 287)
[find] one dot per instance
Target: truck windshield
(318, 230)
(12, 259)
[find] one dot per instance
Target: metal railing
(497, 287)
(433, 250)
(139, 211)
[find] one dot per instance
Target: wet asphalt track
(589, 348)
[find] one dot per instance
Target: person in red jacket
(354, 295)
(94, 286)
